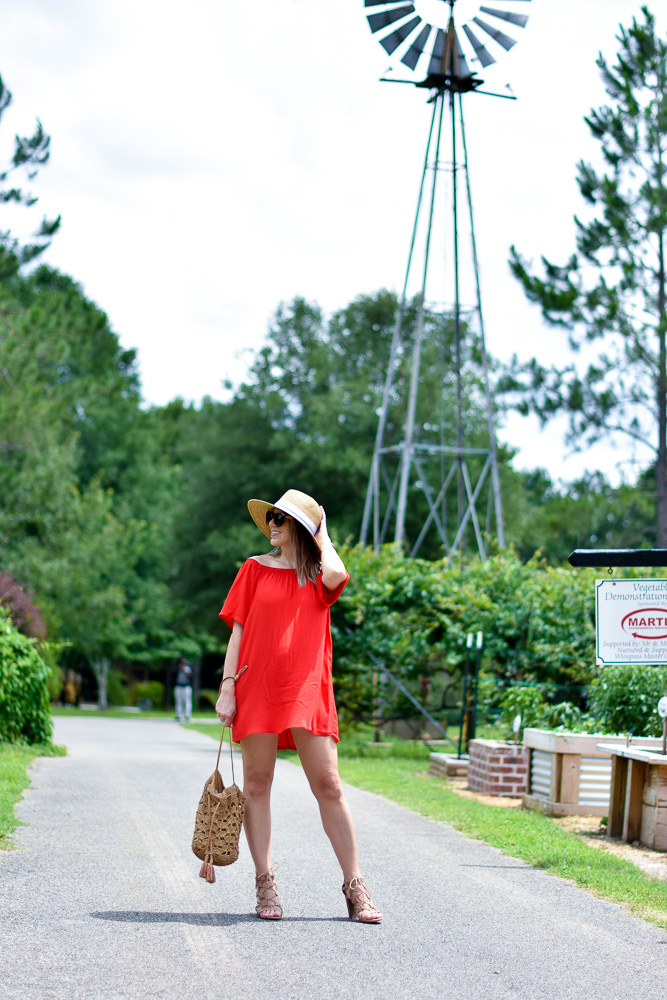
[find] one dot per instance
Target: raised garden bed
(568, 775)
(638, 808)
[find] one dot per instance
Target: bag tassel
(207, 871)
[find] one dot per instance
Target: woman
(276, 687)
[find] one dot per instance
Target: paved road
(104, 902)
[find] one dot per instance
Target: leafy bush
(567, 716)
(24, 692)
(490, 694)
(529, 703)
(624, 698)
(152, 691)
(539, 641)
(117, 692)
(414, 616)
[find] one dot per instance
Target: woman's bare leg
(319, 757)
(259, 761)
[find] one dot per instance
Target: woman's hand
(333, 570)
(322, 534)
(225, 706)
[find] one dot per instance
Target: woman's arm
(225, 706)
(333, 568)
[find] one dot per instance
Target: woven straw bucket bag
(218, 821)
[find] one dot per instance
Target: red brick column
(497, 768)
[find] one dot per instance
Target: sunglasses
(277, 517)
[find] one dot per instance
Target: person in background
(183, 691)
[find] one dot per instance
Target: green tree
(87, 471)
(30, 153)
(69, 402)
(323, 380)
(230, 453)
(107, 607)
(611, 291)
(554, 518)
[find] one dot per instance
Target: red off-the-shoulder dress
(286, 644)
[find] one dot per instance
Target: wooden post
(619, 773)
(569, 781)
(632, 810)
(556, 775)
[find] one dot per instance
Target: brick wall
(497, 768)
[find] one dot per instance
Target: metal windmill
(433, 464)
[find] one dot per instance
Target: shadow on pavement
(205, 919)
(506, 868)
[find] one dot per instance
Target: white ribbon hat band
(296, 512)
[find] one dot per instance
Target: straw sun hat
(298, 505)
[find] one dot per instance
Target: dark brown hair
(306, 552)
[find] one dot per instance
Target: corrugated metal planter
(567, 774)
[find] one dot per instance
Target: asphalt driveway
(103, 901)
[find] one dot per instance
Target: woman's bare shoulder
(263, 560)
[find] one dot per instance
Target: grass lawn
(14, 762)
(399, 772)
(123, 713)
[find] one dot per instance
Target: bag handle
(231, 752)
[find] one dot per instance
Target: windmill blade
(461, 64)
(379, 21)
(378, 3)
(391, 42)
(435, 65)
(496, 35)
(411, 57)
(481, 51)
(521, 20)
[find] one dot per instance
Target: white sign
(631, 621)
(662, 707)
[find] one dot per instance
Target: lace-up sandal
(268, 902)
(359, 902)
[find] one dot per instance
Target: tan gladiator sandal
(268, 902)
(359, 903)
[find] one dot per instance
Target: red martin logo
(646, 623)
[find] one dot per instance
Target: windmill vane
(443, 53)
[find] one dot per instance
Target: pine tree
(611, 291)
(30, 153)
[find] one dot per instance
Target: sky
(212, 159)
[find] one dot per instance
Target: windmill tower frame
(395, 467)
